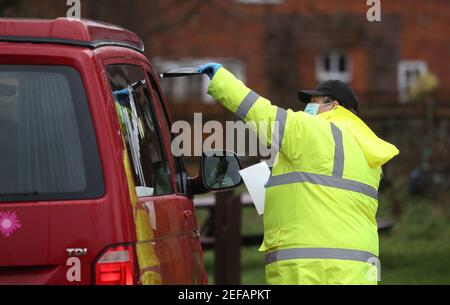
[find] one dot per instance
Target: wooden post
(227, 233)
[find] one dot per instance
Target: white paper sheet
(255, 178)
(142, 191)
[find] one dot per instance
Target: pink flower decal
(9, 223)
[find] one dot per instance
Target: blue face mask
(312, 108)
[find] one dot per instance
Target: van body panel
(50, 232)
(48, 229)
(176, 226)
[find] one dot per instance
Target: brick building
(280, 46)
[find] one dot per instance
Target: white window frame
(405, 66)
(180, 83)
(334, 73)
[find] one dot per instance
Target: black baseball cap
(336, 89)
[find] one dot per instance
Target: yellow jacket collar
(377, 151)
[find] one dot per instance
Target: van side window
(140, 130)
(48, 149)
(181, 175)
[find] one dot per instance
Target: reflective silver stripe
(247, 104)
(279, 127)
(338, 168)
(341, 183)
(320, 253)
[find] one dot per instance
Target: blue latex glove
(121, 92)
(210, 69)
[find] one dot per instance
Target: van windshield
(47, 143)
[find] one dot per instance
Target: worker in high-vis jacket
(322, 196)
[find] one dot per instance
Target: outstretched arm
(269, 122)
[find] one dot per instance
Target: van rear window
(48, 149)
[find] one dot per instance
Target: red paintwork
(70, 29)
(36, 253)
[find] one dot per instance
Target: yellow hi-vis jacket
(321, 199)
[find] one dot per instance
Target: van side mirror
(220, 171)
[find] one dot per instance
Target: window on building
(409, 72)
(333, 65)
(193, 88)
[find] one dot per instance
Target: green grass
(415, 251)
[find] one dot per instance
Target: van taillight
(117, 266)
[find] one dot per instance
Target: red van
(90, 192)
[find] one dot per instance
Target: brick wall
(279, 43)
